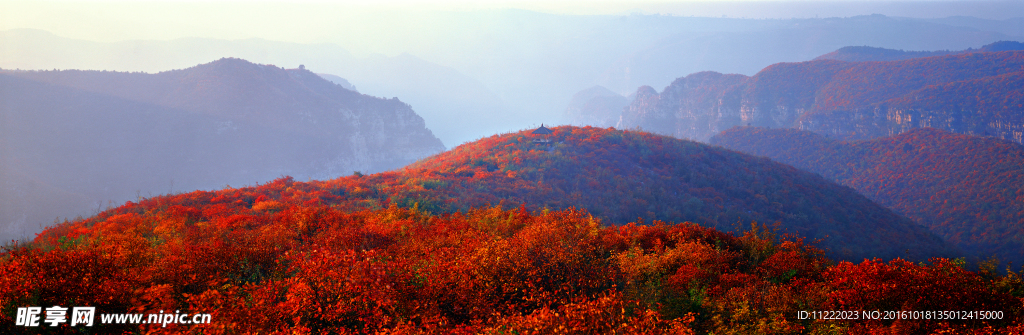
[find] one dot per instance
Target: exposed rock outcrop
(978, 93)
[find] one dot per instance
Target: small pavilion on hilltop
(542, 131)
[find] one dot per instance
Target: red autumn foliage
(342, 256)
(320, 269)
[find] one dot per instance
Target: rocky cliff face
(977, 93)
(702, 102)
(868, 123)
(115, 136)
(645, 112)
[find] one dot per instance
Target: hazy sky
(325, 21)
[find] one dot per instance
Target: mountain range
(456, 107)
(473, 74)
(971, 93)
(77, 141)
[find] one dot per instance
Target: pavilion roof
(542, 130)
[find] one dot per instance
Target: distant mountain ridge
(757, 44)
(868, 54)
(971, 93)
(872, 54)
(112, 136)
(965, 188)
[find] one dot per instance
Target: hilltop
(620, 176)
(964, 188)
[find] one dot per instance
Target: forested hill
(380, 253)
(618, 176)
(975, 93)
(622, 175)
(965, 188)
(77, 141)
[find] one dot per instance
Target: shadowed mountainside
(964, 188)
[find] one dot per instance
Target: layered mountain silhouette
(101, 137)
(969, 93)
(472, 74)
(964, 188)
